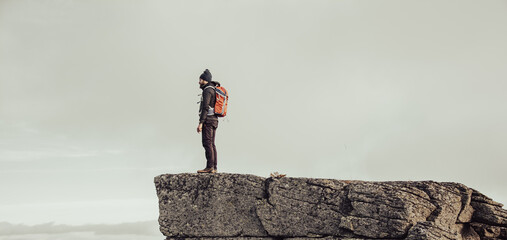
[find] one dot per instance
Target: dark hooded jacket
(208, 100)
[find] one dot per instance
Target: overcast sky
(98, 97)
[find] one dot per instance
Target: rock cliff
(242, 206)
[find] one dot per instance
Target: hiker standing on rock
(208, 121)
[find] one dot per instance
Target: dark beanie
(206, 76)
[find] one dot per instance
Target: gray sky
(98, 97)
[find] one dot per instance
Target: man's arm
(206, 99)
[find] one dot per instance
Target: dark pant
(208, 142)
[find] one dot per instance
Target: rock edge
(244, 206)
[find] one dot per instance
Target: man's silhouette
(208, 121)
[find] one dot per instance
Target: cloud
(146, 228)
(23, 142)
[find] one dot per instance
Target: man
(208, 121)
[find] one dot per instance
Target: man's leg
(207, 143)
(214, 149)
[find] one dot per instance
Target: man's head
(205, 78)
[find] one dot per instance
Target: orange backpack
(222, 97)
(221, 101)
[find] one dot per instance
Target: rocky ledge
(242, 206)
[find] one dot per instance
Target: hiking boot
(214, 170)
(206, 170)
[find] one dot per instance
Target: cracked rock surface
(247, 207)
